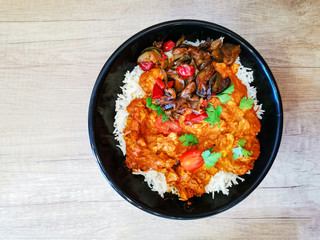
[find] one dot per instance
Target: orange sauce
(148, 148)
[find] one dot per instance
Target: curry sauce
(148, 146)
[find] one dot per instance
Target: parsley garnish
(157, 108)
(246, 103)
(223, 96)
(210, 159)
(213, 115)
(240, 151)
(188, 139)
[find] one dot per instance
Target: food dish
(110, 159)
(193, 116)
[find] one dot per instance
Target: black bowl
(102, 111)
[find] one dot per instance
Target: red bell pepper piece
(156, 92)
(205, 102)
(195, 118)
(170, 84)
(160, 84)
(146, 66)
(163, 56)
(185, 70)
(167, 46)
(167, 126)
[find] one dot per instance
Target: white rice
(131, 89)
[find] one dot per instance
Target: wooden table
(51, 53)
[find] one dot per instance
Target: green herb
(223, 96)
(188, 139)
(210, 149)
(213, 115)
(157, 108)
(246, 103)
(240, 151)
(210, 159)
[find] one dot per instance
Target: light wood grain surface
(50, 55)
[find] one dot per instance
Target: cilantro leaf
(157, 108)
(164, 117)
(229, 90)
(188, 139)
(242, 142)
(237, 152)
(223, 96)
(213, 115)
(210, 159)
(246, 103)
(240, 151)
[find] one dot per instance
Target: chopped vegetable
(195, 118)
(210, 159)
(188, 140)
(156, 92)
(191, 160)
(146, 66)
(167, 46)
(163, 56)
(240, 151)
(157, 108)
(246, 103)
(160, 84)
(167, 127)
(185, 70)
(213, 115)
(170, 84)
(224, 96)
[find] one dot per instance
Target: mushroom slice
(189, 89)
(215, 45)
(181, 60)
(180, 40)
(179, 83)
(230, 53)
(202, 80)
(217, 84)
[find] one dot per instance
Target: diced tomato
(170, 84)
(167, 46)
(146, 66)
(195, 118)
(191, 160)
(185, 70)
(160, 84)
(156, 92)
(167, 126)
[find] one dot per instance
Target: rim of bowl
(104, 71)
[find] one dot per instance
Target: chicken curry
(196, 118)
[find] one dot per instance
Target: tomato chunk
(191, 160)
(185, 70)
(167, 46)
(195, 118)
(146, 66)
(168, 126)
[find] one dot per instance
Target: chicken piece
(148, 79)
